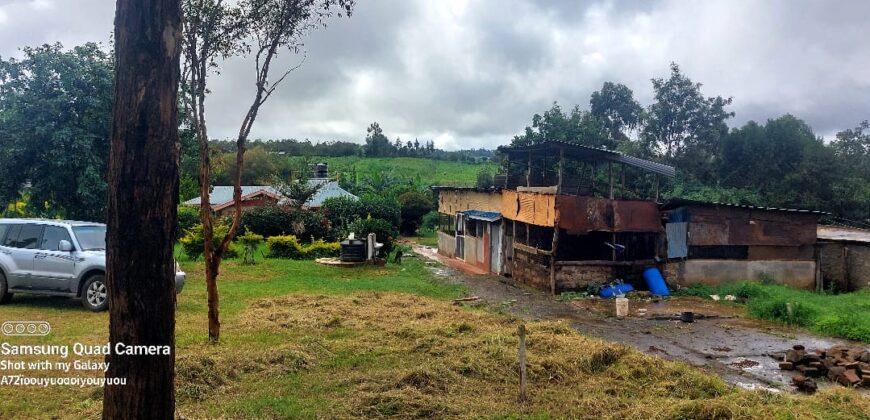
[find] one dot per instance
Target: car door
(20, 247)
(52, 268)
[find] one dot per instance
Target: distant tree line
(780, 162)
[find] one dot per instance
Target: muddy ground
(724, 342)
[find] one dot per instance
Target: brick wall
(528, 268)
(577, 277)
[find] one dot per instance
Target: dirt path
(731, 346)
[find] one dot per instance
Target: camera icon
(25, 328)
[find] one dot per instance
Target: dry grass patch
(399, 355)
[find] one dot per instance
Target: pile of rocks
(848, 366)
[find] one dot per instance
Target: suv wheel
(5, 296)
(94, 294)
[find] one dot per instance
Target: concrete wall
(446, 245)
(799, 274)
(475, 253)
(845, 265)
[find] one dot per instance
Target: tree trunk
(143, 199)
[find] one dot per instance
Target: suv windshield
(91, 238)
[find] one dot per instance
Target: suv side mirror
(64, 246)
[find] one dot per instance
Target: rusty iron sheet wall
(532, 208)
(580, 215)
(737, 226)
(452, 202)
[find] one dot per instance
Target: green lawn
(844, 315)
(429, 171)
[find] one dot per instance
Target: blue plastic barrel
(611, 291)
(655, 282)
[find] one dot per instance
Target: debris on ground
(679, 317)
(847, 365)
(745, 363)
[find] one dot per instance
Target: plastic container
(611, 291)
(655, 282)
(621, 307)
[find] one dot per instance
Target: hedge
(288, 246)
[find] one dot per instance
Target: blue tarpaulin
(489, 216)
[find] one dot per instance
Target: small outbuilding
(844, 257)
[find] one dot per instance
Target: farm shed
(576, 215)
(713, 243)
(844, 257)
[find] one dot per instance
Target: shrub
(311, 225)
(194, 245)
(321, 249)
(289, 247)
(249, 241)
(343, 211)
(384, 231)
(268, 220)
(381, 207)
(286, 246)
(188, 217)
(414, 205)
(430, 221)
(778, 309)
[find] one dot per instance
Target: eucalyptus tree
(142, 204)
(215, 30)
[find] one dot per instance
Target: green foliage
(250, 241)
(288, 246)
(484, 179)
(430, 221)
(377, 144)
(188, 217)
(55, 121)
(267, 220)
(194, 245)
(384, 231)
(188, 187)
(414, 205)
(615, 107)
(285, 246)
(844, 315)
(579, 127)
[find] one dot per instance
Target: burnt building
(563, 216)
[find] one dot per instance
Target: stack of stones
(848, 366)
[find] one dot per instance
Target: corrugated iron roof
(489, 216)
(677, 202)
(579, 151)
(223, 194)
(842, 234)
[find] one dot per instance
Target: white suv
(58, 258)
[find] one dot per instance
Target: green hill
(430, 171)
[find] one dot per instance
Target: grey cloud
(472, 73)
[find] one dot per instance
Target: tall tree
(614, 105)
(578, 126)
(214, 30)
(683, 126)
(377, 144)
(55, 118)
(142, 203)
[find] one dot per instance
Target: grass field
(302, 340)
(844, 315)
(429, 171)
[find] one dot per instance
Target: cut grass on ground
(845, 315)
(300, 340)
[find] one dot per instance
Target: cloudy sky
(471, 73)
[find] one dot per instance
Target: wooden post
(507, 173)
(521, 332)
(555, 245)
(561, 163)
(622, 187)
(657, 189)
(610, 179)
(529, 171)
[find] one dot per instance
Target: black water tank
(353, 250)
